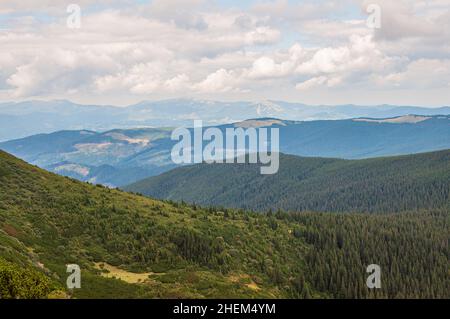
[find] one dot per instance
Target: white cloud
(219, 81)
(175, 47)
(312, 83)
(423, 73)
(177, 83)
(320, 81)
(399, 19)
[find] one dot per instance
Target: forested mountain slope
(391, 184)
(162, 249)
(123, 156)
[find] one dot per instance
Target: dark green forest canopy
(48, 221)
(391, 184)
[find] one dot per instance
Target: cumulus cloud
(400, 19)
(219, 81)
(423, 73)
(169, 48)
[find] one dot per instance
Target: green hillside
(391, 184)
(159, 249)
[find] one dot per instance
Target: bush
(22, 283)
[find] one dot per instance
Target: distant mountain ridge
(23, 119)
(390, 184)
(122, 156)
(111, 158)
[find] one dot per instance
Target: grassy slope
(52, 220)
(47, 221)
(391, 184)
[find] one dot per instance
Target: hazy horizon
(256, 101)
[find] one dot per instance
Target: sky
(366, 52)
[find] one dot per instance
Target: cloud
(400, 20)
(167, 48)
(312, 83)
(281, 64)
(219, 81)
(423, 73)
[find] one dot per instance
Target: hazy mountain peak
(267, 108)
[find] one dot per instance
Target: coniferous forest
(391, 184)
(130, 246)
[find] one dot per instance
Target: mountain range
(122, 156)
(111, 158)
(21, 119)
